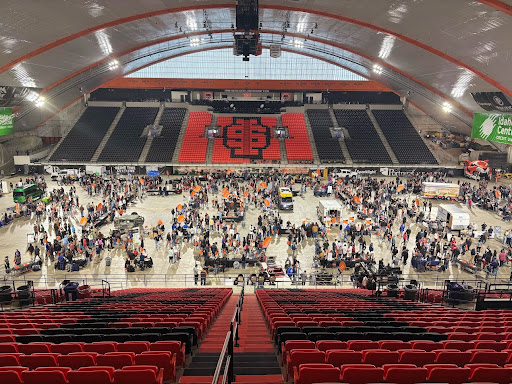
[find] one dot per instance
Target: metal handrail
(230, 342)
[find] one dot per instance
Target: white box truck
(95, 170)
(455, 217)
(329, 209)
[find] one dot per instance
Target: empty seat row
(328, 148)
(367, 373)
(147, 374)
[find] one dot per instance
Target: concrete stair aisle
(177, 150)
(382, 137)
(149, 140)
(316, 158)
(254, 360)
(282, 151)
(108, 134)
(209, 151)
(345, 151)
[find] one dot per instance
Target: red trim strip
(340, 46)
(172, 57)
(112, 23)
(498, 5)
(276, 7)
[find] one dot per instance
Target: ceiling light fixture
(377, 69)
(113, 65)
(447, 107)
(40, 101)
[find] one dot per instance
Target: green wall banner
(492, 127)
(6, 121)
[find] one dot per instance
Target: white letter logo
(487, 127)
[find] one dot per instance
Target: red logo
(246, 138)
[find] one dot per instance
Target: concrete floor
(155, 208)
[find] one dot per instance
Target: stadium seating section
(364, 144)
(244, 139)
(86, 135)
(126, 144)
(138, 336)
(193, 149)
(349, 337)
(403, 139)
(328, 148)
(162, 148)
(298, 148)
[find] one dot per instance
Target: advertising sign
(6, 121)
(492, 127)
(275, 50)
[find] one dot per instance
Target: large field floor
(155, 208)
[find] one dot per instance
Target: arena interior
(291, 191)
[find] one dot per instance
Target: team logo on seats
(246, 138)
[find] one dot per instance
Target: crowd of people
(382, 216)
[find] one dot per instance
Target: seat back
(379, 357)
(135, 376)
(325, 345)
(101, 347)
(406, 375)
(31, 348)
(426, 345)
(339, 357)
(76, 361)
(133, 346)
(38, 360)
(394, 345)
(43, 377)
(161, 359)
(356, 375)
(88, 377)
(417, 358)
(359, 345)
(311, 374)
(499, 358)
(453, 357)
(10, 377)
(496, 375)
(117, 360)
(66, 348)
(449, 375)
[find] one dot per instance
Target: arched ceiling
(435, 50)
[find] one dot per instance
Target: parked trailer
(440, 190)
(456, 218)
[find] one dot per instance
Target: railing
(130, 280)
(230, 343)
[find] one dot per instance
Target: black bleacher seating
(403, 139)
(328, 148)
(126, 144)
(86, 135)
(364, 144)
(162, 148)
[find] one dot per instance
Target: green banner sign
(6, 121)
(492, 127)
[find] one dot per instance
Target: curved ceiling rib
(191, 51)
(295, 35)
(498, 5)
(360, 23)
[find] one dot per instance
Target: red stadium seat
(38, 377)
(339, 357)
(88, 377)
(101, 347)
(10, 377)
(117, 360)
(38, 360)
(497, 375)
(161, 359)
(136, 376)
(66, 348)
(361, 375)
(406, 375)
(449, 375)
(314, 373)
(133, 346)
(379, 357)
(325, 345)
